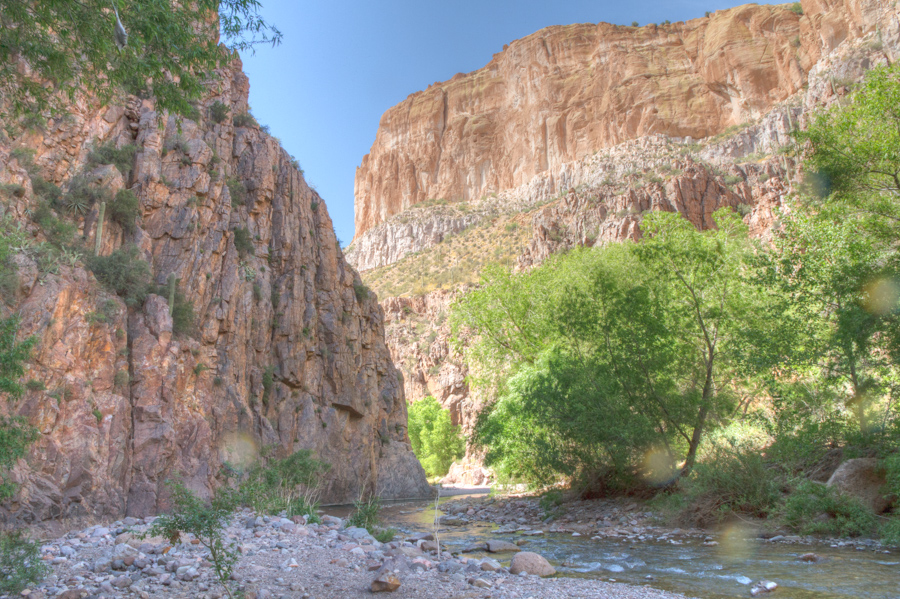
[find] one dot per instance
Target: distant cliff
(564, 92)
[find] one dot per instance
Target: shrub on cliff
(123, 272)
(435, 440)
(124, 210)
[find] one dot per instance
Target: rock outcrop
(286, 352)
(864, 480)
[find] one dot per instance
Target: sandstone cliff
(287, 351)
(563, 93)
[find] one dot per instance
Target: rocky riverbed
(286, 558)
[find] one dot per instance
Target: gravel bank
(287, 559)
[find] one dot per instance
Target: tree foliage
(604, 356)
(434, 438)
(172, 50)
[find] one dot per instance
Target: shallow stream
(727, 570)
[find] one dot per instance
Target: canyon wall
(564, 92)
(286, 352)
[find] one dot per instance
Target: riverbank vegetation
(716, 372)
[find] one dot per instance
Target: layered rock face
(562, 93)
(286, 352)
(600, 196)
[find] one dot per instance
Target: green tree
(649, 336)
(12, 354)
(852, 155)
(206, 521)
(434, 438)
(171, 52)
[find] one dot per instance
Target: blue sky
(343, 64)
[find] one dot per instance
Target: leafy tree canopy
(68, 46)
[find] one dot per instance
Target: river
(724, 571)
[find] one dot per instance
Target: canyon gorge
(569, 135)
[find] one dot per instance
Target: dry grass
(459, 259)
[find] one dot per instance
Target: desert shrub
(796, 8)
(25, 158)
(242, 242)
(58, 232)
(45, 190)
(35, 385)
(124, 210)
(385, 535)
(20, 563)
(244, 120)
(12, 353)
(814, 508)
(550, 501)
(730, 479)
(124, 273)
(218, 112)
(15, 437)
(206, 522)
(361, 291)
(743, 209)
(82, 196)
(291, 484)
(365, 513)
(183, 317)
(122, 158)
(435, 440)
(238, 191)
(121, 379)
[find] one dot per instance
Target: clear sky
(344, 63)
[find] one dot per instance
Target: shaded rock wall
(285, 352)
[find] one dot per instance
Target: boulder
(501, 547)
(387, 583)
(531, 563)
(862, 479)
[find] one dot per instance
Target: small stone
(387, 583)
(481, 583)
(810, 558)
(122, 582)
(501, 547)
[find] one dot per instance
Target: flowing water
(727, 570)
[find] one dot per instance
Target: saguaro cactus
(98, 235)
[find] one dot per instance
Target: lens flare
(658, 467)
(239, 450)
(882, 296)
(735, 542)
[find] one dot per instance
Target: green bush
(365, 514)
(245, 120)
(58, 232)
(797, 9)
(12, 353)
(183, 318)
(730, 479)
(124, 210)
(45, 190)
(20, 563)
(122, 158)
(361, 291)
(290, 484)
(206, 522)
(218, 112)
(814, 508)
(82, 196)
(25, 158)
(124, 273)
(243, 242)
(238, 191)
(385, 535)
(435, 440)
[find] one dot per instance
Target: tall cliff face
(564, 92)
(287, 351)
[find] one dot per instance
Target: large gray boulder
(862, 479)
(532, 563)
